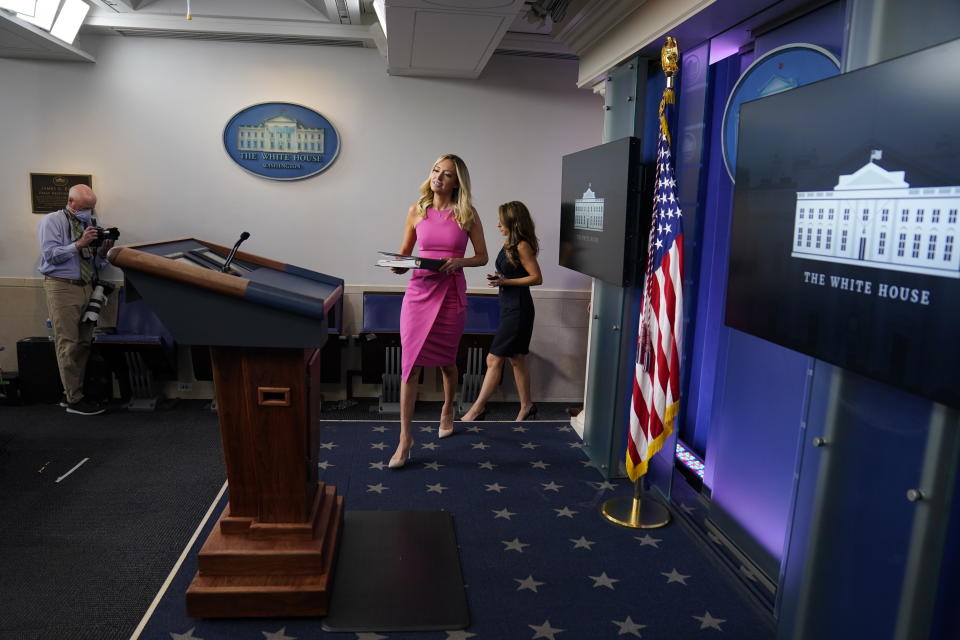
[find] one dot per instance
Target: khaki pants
(66, 303)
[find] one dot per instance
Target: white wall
(146, 120)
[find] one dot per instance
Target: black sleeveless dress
(516, 312)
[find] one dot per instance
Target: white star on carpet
(564, 428)
(376, 488)
(602, 486)
(520, 429)
(480, 445)
(379, 446)
(582, 543)
(674, 576)
(707, 620)
(430, 445)
(529, 445)
(647, 541)
(185, 636)
(487, 465)
(496, 486)
(551, 486)
(459, 635)
(328, 445)
(603, 580)
(277, 635)
(381, 429)
(539, 464)
(528, 583)
(544, 630)
(378, 465)
(436, 488)
(325, 465)
(514, 545)
(434, 465)
(370, 636)
(564, 513)
(588, 463)
(688, 509)
(575, 445)
(474, 429)
(426, 429)
(628, 626)
(506, 514)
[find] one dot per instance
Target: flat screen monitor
(602, 231)
(845, 243)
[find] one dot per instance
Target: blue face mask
(84, 215)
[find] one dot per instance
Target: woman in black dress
(517, 271)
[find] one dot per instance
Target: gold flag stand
(636, 512)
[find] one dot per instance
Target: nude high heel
(398, 463)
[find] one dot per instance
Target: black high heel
(531, 413)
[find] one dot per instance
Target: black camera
(110, 233)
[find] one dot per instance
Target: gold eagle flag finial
(670, 61)
(670, 58)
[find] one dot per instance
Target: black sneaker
(85, 408)
(63, 401)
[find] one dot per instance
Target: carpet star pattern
(380, 446)
(582, 543)
(531, 542)
(628, 626)
(277, 635)
(529, 583)
(603, 580)
(648, 541)
(514, 545)
(544, 631)
(675, 576)
(707, 621)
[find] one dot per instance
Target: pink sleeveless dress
(434, 310)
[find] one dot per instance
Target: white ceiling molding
(19, 39)
(119, 22)
(445, 38)
(587, 21)
(651, 21)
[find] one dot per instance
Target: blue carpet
(538, 559)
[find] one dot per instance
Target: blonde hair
(515, 217)
(463, 210)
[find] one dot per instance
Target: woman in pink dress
(434, 310)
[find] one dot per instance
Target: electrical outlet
(184, 386)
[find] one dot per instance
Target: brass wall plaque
(48, 191)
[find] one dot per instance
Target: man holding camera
(72, 252)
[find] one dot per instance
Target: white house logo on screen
(588, 212)
(873, 218)
(281, 141)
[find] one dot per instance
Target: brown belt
(80, 283)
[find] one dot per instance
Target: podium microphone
(233, 252)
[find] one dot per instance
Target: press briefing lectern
(272, 551)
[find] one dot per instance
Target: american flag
(656, 380)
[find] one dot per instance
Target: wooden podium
(273, 549)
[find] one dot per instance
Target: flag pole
(636, 512)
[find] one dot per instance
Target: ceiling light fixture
(44, 14)
(22, 7)
(69, 20)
